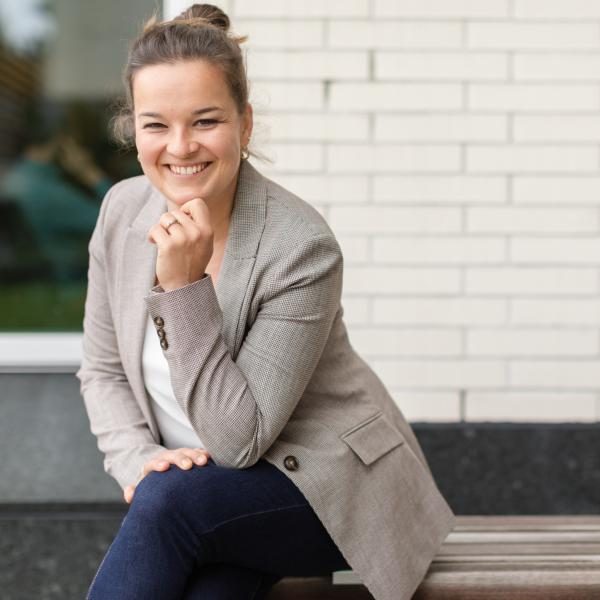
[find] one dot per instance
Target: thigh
(229, 582)
(255, 518)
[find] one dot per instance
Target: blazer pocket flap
(373, 438)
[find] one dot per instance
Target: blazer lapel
(246, 226)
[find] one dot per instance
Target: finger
(185, 220)
(197, 456)
(158, 235)
(156, 464)
(166, 218)
(197, 209)
(128, 493)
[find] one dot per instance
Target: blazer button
(161, 333)
(163, 344)
(291, 463)
(159, 321)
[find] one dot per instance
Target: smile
(186, 171)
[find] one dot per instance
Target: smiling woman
(250, 439)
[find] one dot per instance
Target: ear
(247, 124)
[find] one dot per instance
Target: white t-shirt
(173, 424)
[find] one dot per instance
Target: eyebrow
(198, 111)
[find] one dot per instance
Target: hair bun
(210, 13)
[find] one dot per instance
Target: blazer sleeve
(115, 417)
(238, 408)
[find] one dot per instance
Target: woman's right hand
(184, 458)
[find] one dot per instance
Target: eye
(206, 122)
(152, 125)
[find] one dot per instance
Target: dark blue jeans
(214, 533)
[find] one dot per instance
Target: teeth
(188, 170)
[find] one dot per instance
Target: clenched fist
(184, 238)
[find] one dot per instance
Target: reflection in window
(60, 70)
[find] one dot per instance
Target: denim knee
(175, 493)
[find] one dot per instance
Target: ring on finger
(171, 222)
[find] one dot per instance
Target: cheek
(147, 147)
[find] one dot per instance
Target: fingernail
(162, 463)
(187, 462)
(201, 459)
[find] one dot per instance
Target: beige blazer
(262, 366)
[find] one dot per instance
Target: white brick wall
(454, 147)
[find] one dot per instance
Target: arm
(239, 408)
(115, 418)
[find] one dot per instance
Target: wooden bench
(490, 558)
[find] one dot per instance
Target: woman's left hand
(185, 248)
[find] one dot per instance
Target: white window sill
(40, 352)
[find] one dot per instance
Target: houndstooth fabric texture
(262, 366)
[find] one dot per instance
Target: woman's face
(188, 132)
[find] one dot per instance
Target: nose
(181, 143)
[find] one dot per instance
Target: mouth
(188, 170)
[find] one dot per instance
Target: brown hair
(200, 32)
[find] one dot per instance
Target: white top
(174, 426)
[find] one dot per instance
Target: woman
(213, 335)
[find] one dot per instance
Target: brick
(307, 65)
(394, 34)
(445, 311)
(395, 96)
(294, 157)
(555, 312)
(292, 127)
(355, 248)
(355, 310)
(461, 9)
(556, 128)
(531, 220)
(428, 407)
(557, 251)
(532, 342)
(441, 128)
(374, 342)
(438, 250)
(557, 190)
(436, 374)
(514, 35)
(530, 407)
(531, 281)
(532, 159)
(556, 375)
(281, 33)
(447, 65)
(370, 158)
(287, 96)
(306, 8)
(383, 219)
(532, 97)
(554, 66)
(376, 281)
(330, 189)
(553, 9)
(430, 188)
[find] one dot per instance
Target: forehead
(179, 84)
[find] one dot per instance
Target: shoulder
(289, 214)
(123, 201)
(128, 193)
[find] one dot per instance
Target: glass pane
(60, 72)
